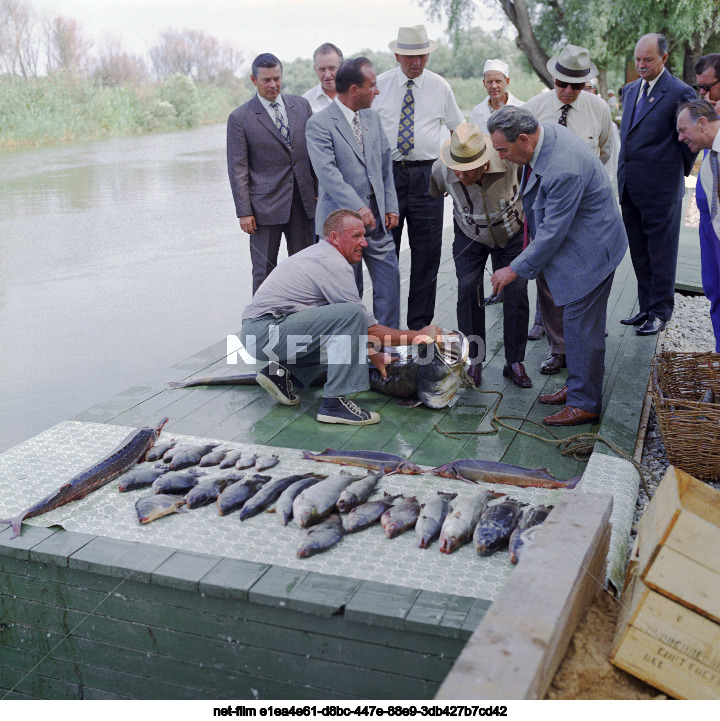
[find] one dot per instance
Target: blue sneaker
(276, 381)
(343, 410)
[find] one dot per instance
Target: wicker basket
(690, 428)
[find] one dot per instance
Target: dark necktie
(563, 115)
(406, 128)
(715, 167)
(280, 122)
(643, 98)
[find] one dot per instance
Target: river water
(117, 258)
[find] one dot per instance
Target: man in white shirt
(588, 116)
(326, 61)
(413, 106)
(698, 127)
(496, 78)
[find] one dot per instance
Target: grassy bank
(62, 107)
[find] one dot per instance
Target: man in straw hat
(488, 221)
(577, 241)
(413, 105)
(589, 117)
(496, 78)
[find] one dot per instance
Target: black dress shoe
(475, 374)
(652, 326)
(554, 364)
(638, 319)
(516, 371)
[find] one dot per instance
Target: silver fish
(434, 512)
(140, 477)
(231, 458)
(234, 496)
(190, 456)
(176, 481)
(368, 513)
(150, 508)
(160, 449)
(372, 460)
(400, 517)
(265, 462)
(246, 460)
(358, 492)
(318, 501)
(459, 525)
(320, 537)
(284, 505)
(213, 458)
(124, 457)
(208, 490)
(530, 518)
(268, 494)
(495, 526)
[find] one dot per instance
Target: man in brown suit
(271, 177)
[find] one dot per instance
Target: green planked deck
(85, 616)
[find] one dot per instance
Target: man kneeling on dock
(307, 316)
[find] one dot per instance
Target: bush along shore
(63, 107)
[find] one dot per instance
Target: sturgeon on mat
(126, 455)
(477, 470)
(372, 460)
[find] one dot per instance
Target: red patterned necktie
(526, 238)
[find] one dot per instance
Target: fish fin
(15, 523)
(573, 482)
(308, 456)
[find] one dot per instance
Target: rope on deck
(579, 446)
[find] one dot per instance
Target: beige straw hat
(572, 65)
(413, 41)
(467, 149)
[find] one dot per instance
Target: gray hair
(335, 222)
(512, 121)
(699, 109)
(325, 49)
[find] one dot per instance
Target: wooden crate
(668, 632)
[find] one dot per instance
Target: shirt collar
(538, 147)
(651, 83)
(402, 78)
(347, 112)
(557, 103)
(266, 103)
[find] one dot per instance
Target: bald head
(651, 54)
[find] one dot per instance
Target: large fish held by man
(132, 450)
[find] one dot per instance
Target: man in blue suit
(351, 158)
(577, 241)
(651, 184)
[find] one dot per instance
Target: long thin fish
(478, 470)
(373, 460)
(126, 455)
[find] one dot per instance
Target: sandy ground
(586, 671)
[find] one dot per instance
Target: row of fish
(208, 454)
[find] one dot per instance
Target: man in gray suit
(578, 239)
(351, 158)
(270, 173)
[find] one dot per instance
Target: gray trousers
(585, 347)
(329, 337)
(552, 317)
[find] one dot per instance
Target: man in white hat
(413, 106)
(488, 220)
(496, 78)
(589, 117)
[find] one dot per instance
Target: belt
(413, 163)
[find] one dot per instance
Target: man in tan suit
(271, 177)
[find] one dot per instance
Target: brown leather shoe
(559, 398)
(571, 416)
(475, 373)
(554, 364)
(536, 332)
(516, 371)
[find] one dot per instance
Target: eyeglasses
(705, 87)
(575, 86)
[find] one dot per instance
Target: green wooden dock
(84, 616)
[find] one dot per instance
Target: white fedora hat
(412, 41)
(572, 65)
(467, 149)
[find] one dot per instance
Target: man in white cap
(413, 106)
(496, 78)
(488, 220)
(589, 117)
(326, 61)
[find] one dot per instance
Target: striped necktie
(406, 128)
(715, 167)
(280, 122)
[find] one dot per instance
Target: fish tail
(15, 524)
